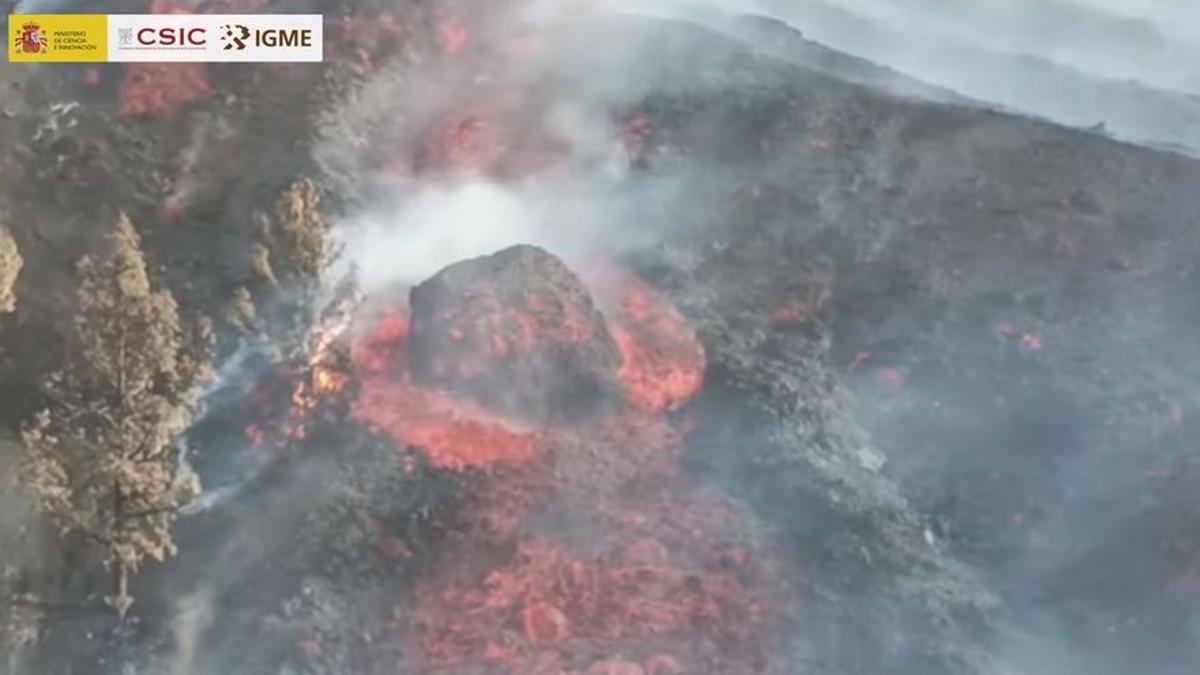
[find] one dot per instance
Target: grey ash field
(946, 422)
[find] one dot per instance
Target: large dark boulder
(517, 332)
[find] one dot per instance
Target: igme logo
(284, 38)
(239, 37)
(235, 36)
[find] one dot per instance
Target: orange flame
(322, 378)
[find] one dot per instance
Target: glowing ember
(1032, 342)
(452, 37)
(383, 347)
(487, 136)
(1028, 342)
(323, 377)
(636, 136)
(673, 587)
(891, 378)
(544, 623)
(468, 142)
(159, 90)
(860, 359)
(170, 209)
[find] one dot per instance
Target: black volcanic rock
(517, 332)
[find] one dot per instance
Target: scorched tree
(102, 456)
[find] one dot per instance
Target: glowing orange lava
(661, 580)
(583, 548)
(451, 434)
(664, 362)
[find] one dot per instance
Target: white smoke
(411, 238)
(193, 615)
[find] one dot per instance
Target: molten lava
(662, 366)
(663, 361)
(158, 90)
(451, 434)
(583, 547)
(662, 576)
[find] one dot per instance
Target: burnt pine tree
(291, 253)
(102, 457)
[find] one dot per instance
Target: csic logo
(164, 37)
(32, 40)
(235, 36)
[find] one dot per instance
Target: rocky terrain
(790, 363)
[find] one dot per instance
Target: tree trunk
(120, 599)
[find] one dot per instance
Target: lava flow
(451, 434)
(583, 547)
(663, 362)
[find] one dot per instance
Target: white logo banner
(215, 38)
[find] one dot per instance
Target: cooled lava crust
(516, 332)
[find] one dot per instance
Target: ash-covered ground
(554, 338)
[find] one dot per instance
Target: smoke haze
(1131, 69)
